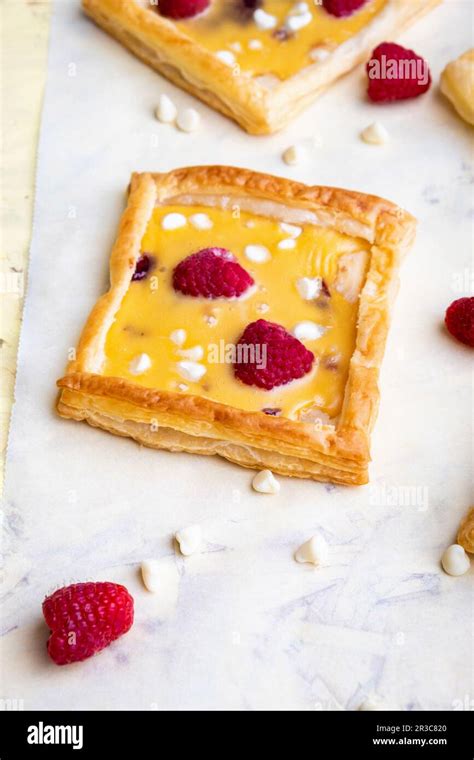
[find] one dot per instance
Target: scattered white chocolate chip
(188, 120)
(150, 569)
(319, 54)
(189, 539)
(455, 560)
(257, 253)
(262, 308)
(374, 703)
(315, 551)
(139, 364)
(178, 337)
(297, 21)
(309, 287)
(300, 8)
(166, 110)
(183, 387)
(293, 155)
(287, 244)
(264, 20)
(173, 221)
(201, 221)
(249, 223)
(195, 353)
(308, 330)
(375, 134)
(226, 56)
(236, 47)
(192, 371)
(290, 229)
(255, 45)
(265, 482)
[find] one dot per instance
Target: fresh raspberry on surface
(85, 618)
(182, 8)
(459, 320)
(267, 356)
(211, 273)
(142, 267)
(396, 73)
(343, 7)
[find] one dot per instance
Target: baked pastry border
(258, 109)
(183, 422)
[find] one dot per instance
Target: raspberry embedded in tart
(268, 356)
(211, 273)
(179, 9)
(342, 8)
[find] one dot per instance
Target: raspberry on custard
(396, 73)
(459, 320)
(341, 8)
(179, 9)
(267, 356)
(85, 618)
(211, 273)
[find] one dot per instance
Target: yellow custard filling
(228, 26)
(152, 311)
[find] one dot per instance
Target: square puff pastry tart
(260, 77)
(331, 260)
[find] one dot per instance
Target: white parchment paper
(242, 626)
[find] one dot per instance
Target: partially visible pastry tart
(261, 62)
(457, 84)
(246, 317)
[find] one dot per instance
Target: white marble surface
(242, 626)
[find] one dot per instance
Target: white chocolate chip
(226, 56)
(308, 330)
(257, 253)
(250, 223)
(150, 569)
(189, 539)
(297, 21)
(265, 482)
(315, 551)
(201, 221)
(188, 120)
(255, 45)
(195, 353)
(287, 244)
(375, 134)
(264, 20)
(139, 364)
(373, 703)
(300, 8)
(455, 560)
(309, 287)
(236, 47)
(173, 221)
(262, 308)
(183, 387)
(290, 229)
(166, 110)
(293, 155)
(178, 337)
(192, 371)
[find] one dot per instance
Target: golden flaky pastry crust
(181, 422)
(259, 109)
(466, 532)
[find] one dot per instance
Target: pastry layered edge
(258, 109)
(183, 422)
